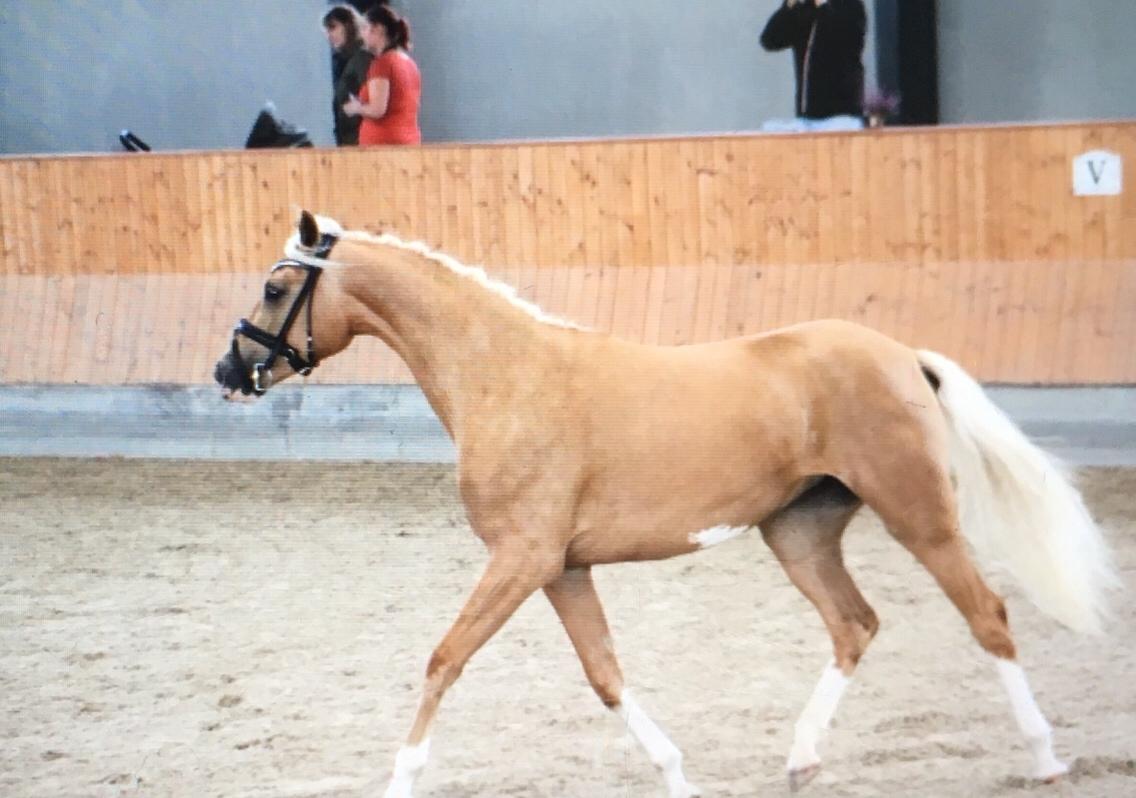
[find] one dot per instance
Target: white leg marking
(407, 765)
(815, 717)
(661, 751)
(715, 535)
(1030, 720)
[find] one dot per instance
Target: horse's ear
(309, 230)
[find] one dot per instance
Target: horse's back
(827, 335)
(823, 355)
(797, 363)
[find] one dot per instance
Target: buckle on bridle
(258, 372)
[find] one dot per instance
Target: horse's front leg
(516, 570)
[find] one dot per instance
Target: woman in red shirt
(388, 100)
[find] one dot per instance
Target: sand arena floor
(223, 629)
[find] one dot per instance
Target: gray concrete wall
(1086, 426)
(182, 74)
(1036, 60)
(496, 69)
(186, 74)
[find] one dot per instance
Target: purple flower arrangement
(879, 106)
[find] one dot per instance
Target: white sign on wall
(1097, 173)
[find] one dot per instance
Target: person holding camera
(827, 39)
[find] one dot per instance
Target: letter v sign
(1097, 173)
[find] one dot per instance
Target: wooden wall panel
(170, 328)
(950, 194)
(132, 268)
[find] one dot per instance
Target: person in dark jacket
(827, 38)
(350, 61)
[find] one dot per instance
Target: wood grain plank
(1007, 272)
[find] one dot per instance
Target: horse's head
(299, 320)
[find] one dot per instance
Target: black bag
(132, 143)
(271, 131)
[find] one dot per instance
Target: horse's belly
(655, 522)
(597, 547)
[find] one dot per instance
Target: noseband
(277, 344)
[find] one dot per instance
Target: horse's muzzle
(228, 375)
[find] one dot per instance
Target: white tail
(1018, 506)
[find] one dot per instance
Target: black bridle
(252, 380)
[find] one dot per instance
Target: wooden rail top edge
(928, 130)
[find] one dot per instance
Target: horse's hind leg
(573, 596)
(805, 536)
(919, 508)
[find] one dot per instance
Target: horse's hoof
(802, 776)
(685, 790)
(398, 789)
(1055, 774)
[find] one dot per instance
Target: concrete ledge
(1085, 426)
(365, 422)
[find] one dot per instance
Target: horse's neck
(459, 338)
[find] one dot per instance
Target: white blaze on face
(715, 535)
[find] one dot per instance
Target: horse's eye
(272, 292)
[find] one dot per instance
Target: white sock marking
(715, 535)
(816, 716)
(1030, 720)
(407, 765)
(660, 750)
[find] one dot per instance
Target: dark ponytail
(397, 28)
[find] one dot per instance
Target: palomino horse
(576, 448)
